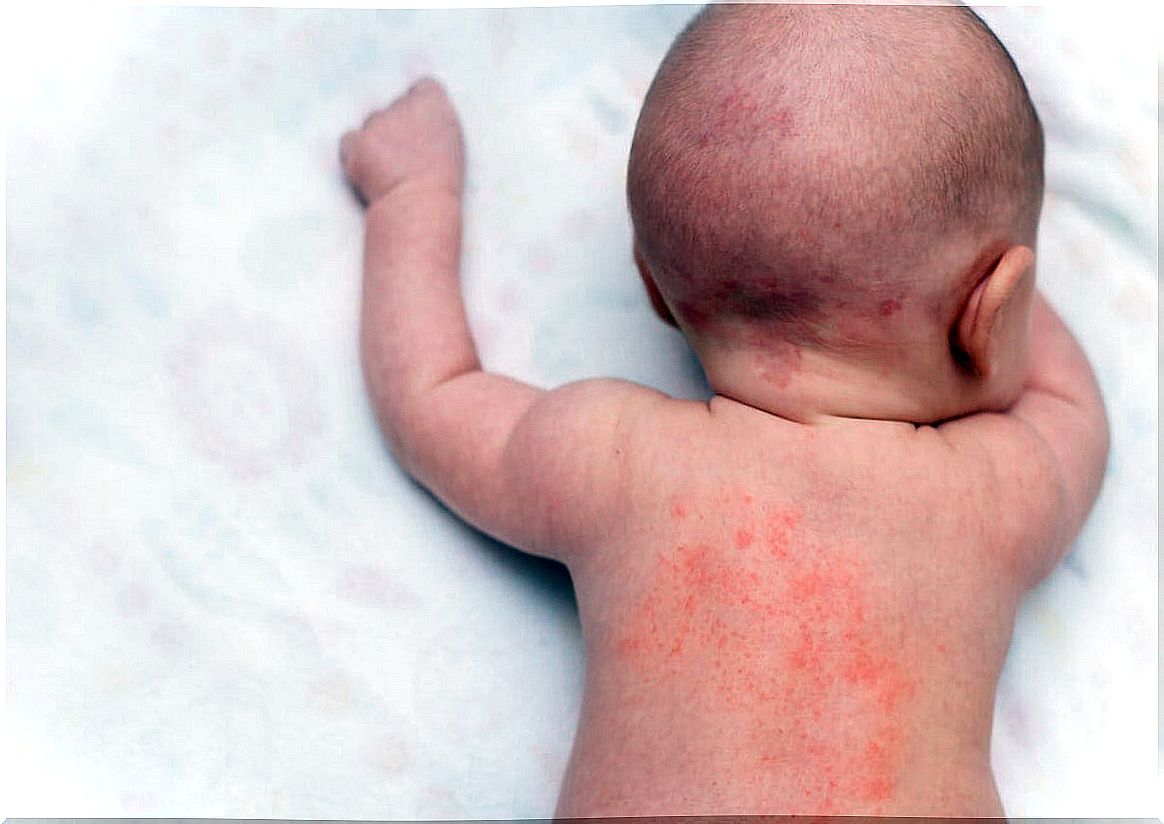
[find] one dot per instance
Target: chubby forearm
(413, 331)
(1061, 400)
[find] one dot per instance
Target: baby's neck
(811, 386)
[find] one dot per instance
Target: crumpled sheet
(225, 599)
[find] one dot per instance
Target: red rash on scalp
(744, 115)
(785, 632)
(735, 113)
(888, 307)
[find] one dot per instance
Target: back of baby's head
(819, 169)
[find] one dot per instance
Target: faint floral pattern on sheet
(245, 392)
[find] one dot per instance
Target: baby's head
(837, 205)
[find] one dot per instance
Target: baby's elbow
(1082, 465)
(1103, 426)
(399, 427)
(1100, 454)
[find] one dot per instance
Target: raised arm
(1061, 401)
(527, 466)
(1058, 424)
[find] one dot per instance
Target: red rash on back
(783, 123)
(783, 630)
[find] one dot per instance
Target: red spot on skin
(629, 646)
(737, 109)
(788, 642)
(678, 512)
(892, 689)
(863, 669)
(779, 527)
(782, 122)
(696, 562)
(878, 789)
(888, 307)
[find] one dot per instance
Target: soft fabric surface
(225, 599)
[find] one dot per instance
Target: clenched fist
(415, 140)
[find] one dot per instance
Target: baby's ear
(991, 333)
(657, 302)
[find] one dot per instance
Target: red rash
(775, 360)
(888, 307)
(781, 120)
(742, 116)
(785, 631)
(736, 110)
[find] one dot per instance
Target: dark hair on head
(791, 162)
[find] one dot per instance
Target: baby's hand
(416, 139)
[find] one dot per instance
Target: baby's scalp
(817, 171)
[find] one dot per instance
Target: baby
(796, 596)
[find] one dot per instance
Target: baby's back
(797, 620)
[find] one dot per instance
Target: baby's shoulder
(989, 483)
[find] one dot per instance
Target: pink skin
(778, 364)
(777, 361)
(795, 587)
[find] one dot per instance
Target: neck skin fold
(918, 382)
